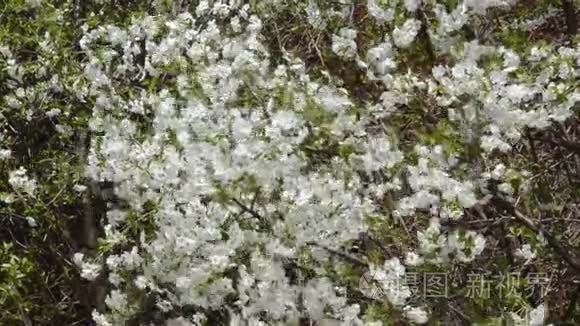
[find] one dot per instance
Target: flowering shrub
(262, 166)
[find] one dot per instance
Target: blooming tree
(261, 166)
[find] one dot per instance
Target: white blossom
(5, 153)
(380, 14)
(79, 188)
(89, 271)
(405, 35)
(413, 259)
(416, 315)
(412, 5)
(31, 221)
(252, 167)
(314, 15)
(390, 278)
(526, 252)
(21, 182)
(100, 319)
(344, 43)
(537, 316)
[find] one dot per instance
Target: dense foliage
(230, 162)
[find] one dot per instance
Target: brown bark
(571, 17)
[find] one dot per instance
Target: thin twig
(342, 255)
(248, 209)
(460, 313)
(56, 196)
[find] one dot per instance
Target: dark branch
(570, 15)
(247, 209)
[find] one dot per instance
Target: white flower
(117, 300)
(53, 113)
(344, 43)
(381, 58)
(285, 120)
(564, 71)
(404, 36)
(458, 245)
(63, 129)
(390, 278)
(506, 188)
(526, 252)
(431, 240)
(314, 16)
(5, 153)
(89, 271)
(517, 92)
(449, 22)
(202, 8)
(141, 282)
(498, 172)
(31, 221)
(537, 316)
(100, 319)
(21, 182)
(416, 315)
(5, 51)
(511, 60)
(8, 198)
(380, 14)
(79, 188)
(480, 7)
(489, 143)
(412, 5)
(78, 259)
(413, 259)
(332, 99)
(537, 54)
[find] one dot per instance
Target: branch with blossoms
(289, 162)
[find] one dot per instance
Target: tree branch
(342, 255)
(570, 15)
(247, 209)
(552, 241)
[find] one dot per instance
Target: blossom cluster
(237, 167)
